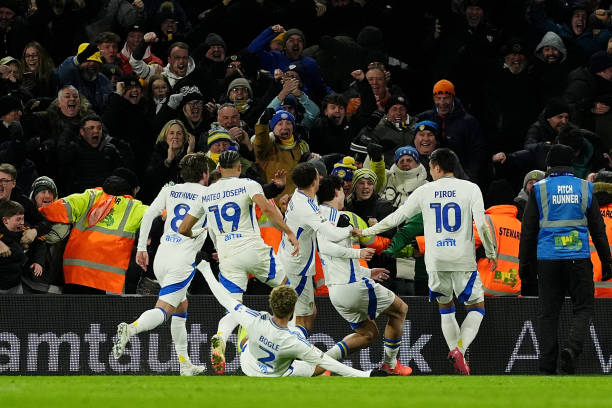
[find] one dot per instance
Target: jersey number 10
(442, 216)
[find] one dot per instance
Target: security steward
(560, 213)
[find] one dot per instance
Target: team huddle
(276, 344)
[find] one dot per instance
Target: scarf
(214, 156)
(287, 142)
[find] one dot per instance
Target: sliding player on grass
(271, 348)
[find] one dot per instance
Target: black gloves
(343, 221)
(266, 116)
(374, 118)
(375, 152)
(90, 50)
(606, 272)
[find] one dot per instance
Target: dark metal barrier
(60, 335)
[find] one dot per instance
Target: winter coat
(540, 132)
(391, 137)
(95, 91)
(399, 184)
(582, 91)
(550, 80)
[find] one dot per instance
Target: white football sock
(226, 326)
(149, 320)
(391, 348)
(338, 351)
(450, 328)
(469, 328)
(179, 336)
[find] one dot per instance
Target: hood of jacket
(551, 39)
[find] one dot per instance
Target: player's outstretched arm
(275, 216)
(242, 314)
(187, 225)
(155, 209)
(405, 211)
(329, 248)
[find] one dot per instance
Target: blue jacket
(563, 202)
(314, 85)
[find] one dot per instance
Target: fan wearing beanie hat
(396, 128)
(282, 125)
(216, 47)
(9, 105)
(530, 179)
(345, 170)
(44, 191)
(556, 112)
(444, 97)
(240, 93)
(294, 42)
(219, 140)
(404, 176)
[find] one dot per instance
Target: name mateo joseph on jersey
(224, 194)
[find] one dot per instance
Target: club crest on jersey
(446, 242)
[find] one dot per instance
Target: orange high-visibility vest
(268, 231)
(506, 229)
(97, 255)
(602, 289)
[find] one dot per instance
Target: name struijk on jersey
(446, 242)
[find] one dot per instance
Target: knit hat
(364, 173)
(218, 133)
(8, 104)
(43, 183)
(135, 29)
(444, 87)
(407, 150)
(95, 57)
(281, 115)
(600, 61)
(427, 125)
(240, 82)
(555, 107)
(128, 175)
(130, 81)
(214, 39)
(191, 93)
(345, 169)
(370, 37)
(290, 100)
(513, 46)
(291, 32)
(533, 175)
(396, 100)
(559, 155)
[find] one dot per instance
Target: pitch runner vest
(563, 201)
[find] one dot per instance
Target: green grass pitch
(337, 392)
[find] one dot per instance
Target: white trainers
(188, 369)
(123, 336)
(217, 357)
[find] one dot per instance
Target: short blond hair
(282, 301)
(162, 135)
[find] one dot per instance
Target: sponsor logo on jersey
(446, 242)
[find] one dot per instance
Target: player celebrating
(174, 262)
(228, 205)
(352, 289)
(272, 348)
(448, 206)
(303, 215)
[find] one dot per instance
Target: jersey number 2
(442, 216)
(268, 359)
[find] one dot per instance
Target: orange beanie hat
(444, 87)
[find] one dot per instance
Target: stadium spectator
(108, 44)
(116, 15)
(276, 147)
(98, 251)
(14, 29)
(551, 67)
(39, 76)
(459, 130)
(550, 122)
(135, 36)
(229, 117)
(563, 256)
(173, 142)
(426, 140)
(85, 162)
(530, 179)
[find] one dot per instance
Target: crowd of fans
(364, 89)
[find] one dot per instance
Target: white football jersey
(229, 208)
(448, 206)
(304, 218)
(340, 260)
(271, 348)
(177, 200)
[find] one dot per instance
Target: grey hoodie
(551, 39)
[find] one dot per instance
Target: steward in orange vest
(602, 189)
(105, 222)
